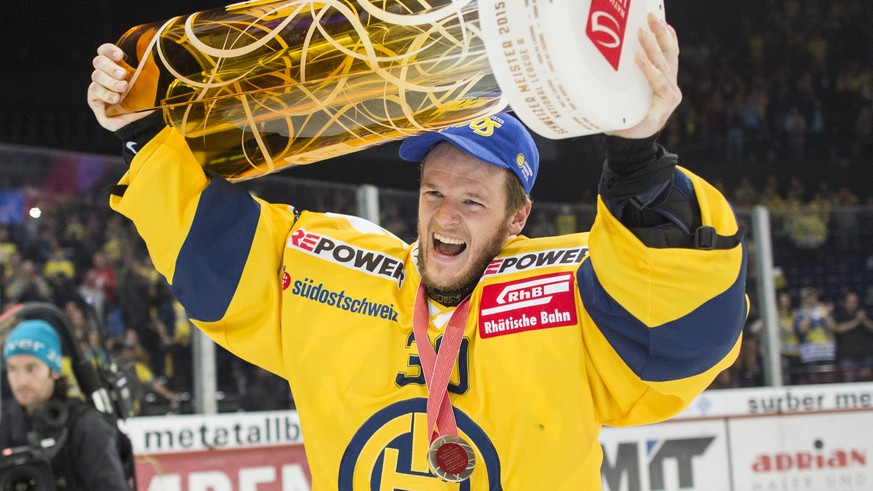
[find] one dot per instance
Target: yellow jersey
(565, 334)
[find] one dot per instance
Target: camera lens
(50, 416)
(26, 478)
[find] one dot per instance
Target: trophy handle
(141, 94)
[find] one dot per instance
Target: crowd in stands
(789, 94)
(89, 261)
(785, 83)
(820, 342)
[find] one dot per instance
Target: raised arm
(199, 229)
(665, 283)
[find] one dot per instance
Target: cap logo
(524, 167)
(485, 126)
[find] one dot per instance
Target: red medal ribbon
(438, 366)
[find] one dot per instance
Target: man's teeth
(447, 240)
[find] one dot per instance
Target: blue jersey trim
(679, 349)
(211, 261)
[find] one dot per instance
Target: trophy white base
(567, 66)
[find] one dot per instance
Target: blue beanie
(36, 338)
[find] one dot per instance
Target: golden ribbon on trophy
(259, 86)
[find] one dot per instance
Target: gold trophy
(260, 86)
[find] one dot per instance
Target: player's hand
(108, 83)
(659, 62)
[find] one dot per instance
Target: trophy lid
(567, 67)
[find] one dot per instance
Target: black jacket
(89, 456)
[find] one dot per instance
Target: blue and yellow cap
(500, 140)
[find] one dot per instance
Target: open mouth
(448, 246)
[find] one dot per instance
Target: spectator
(770, 196)
(752, 111)
(393, 221)
(790, 343)
(60, 273)
(58, 264)
(133, 358)
(39, 249)
(818, 137)
(27, 285)
(854, 334)
(566, 222)
(845, 223)
(815, 331)
(140, 310)
(7, 247)
(163, 323)
(93, 294)
(747, 371)
(180, 355)
(745, 194)
(103, 276)
(863, 143)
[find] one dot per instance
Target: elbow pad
(657, 202)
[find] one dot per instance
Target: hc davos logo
(390, 452)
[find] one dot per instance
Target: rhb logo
(527, 305)
(607, 22)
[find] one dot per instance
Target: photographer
(85, 453)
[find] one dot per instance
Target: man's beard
(452, 294)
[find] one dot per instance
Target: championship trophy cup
(260, 86)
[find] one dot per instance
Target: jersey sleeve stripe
(221, 233)
(678, 349)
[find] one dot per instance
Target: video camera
(27, 468)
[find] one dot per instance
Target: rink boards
(800, 438)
